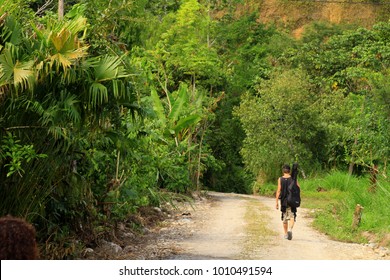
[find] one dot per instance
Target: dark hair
(17, 239)
(294, 172)
(286, 168)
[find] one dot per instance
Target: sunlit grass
(335, 197)
(258, 232)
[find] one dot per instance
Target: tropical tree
(244, 46)
(281, 124)
(61, 103)
(183, 68)
(349, 69)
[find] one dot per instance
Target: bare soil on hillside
(296, 15)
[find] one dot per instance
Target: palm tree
(55, 97)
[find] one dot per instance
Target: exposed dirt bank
(295, 15)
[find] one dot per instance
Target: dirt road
(249, 227)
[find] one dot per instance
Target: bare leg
(285, 226)
(291, 224)
(290, 227)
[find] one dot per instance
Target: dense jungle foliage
(125, 104)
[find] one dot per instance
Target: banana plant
(176, 120)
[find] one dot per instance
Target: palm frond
(60, 44)
(119, 89)
(69, 104)
(34, 106)
(65, 42)
(67, 51)
(14, 72)
(11, 31)
(57, 132)
(6, 65)
(108, 68)
(76, 25)
(106, 75)
(23, 75)
(98, 94)
(61, 60)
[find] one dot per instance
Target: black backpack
(293, 194)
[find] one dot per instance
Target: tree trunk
(352, 163)
(350, 169)
(60, 9)
(198, 172)
(373, 178)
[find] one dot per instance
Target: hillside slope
(294, 15)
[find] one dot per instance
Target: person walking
(288, 213)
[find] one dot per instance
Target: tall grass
(335, 197)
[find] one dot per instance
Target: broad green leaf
(187, 122)
(158, 106)
(179, 103)
(15, 30)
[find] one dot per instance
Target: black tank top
(284, 182)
